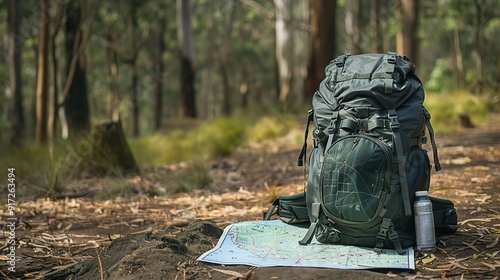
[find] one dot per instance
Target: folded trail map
(275, 243)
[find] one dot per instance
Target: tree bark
(76, 105)
(478, 35)
(224, 60)
(16, 114)
(408, 40)
(113, 84)
(207, 92)
(135, 97)
(323, 43)
(375, 26)
(459, 61)
(352, 26)
(158, 66)
(42, 75)
(186, 55)
(283, 47)
(131, 60)
(53, 93)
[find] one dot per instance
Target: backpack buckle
(340, 60)
(382, 234)
(391, 57)
(394, 122)
(393, 235)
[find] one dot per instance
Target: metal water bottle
(424, 223)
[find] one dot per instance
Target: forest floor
(141, 236)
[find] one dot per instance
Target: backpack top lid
(388, 78)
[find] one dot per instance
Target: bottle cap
(421, 193)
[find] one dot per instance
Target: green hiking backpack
(367, 161)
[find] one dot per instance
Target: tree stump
(110, 149)
(465, 121)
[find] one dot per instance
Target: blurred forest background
(198, 78)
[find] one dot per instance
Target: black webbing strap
(387, 230)
(389, 70)
(433, 142)
(393, 118)
(368, 76)
(303, 151)
(270, 210)
(339, 62)
(312, 228)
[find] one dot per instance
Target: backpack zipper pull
(355, 142)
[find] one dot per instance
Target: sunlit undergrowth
(212, 138)
(446, 108)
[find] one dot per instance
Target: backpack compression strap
(387, 230)
(389, 71)
(312, 228)
(393, 118)
(431, 135)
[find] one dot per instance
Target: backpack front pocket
(355, 178)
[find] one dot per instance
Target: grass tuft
(196, 175)
(446, 107)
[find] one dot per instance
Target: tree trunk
(14, 56)
(323, 43)
(375, 26)
(113, 84)
(224, 59)
(110, 150)
(42, 75)
(53, 93)
(131, 60)
(283, 47)
(408, 41)
(478, 46)
(158, 66)
(186, 55)
(458, 58)
(352, 26)
(302, 47)
(135, 97)
(207, 91)
(76, 106)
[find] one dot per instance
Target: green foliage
(270, 127)
(37, 163)
(218, 137)
(213, 138)
(440, 78)
(446, 108)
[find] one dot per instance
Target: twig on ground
(101, 271)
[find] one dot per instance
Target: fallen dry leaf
(471, 246)
(229, 272)
(429, 259)
(460, 160)
(492, 244)
(491, 266)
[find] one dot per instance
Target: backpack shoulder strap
(303, 151)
